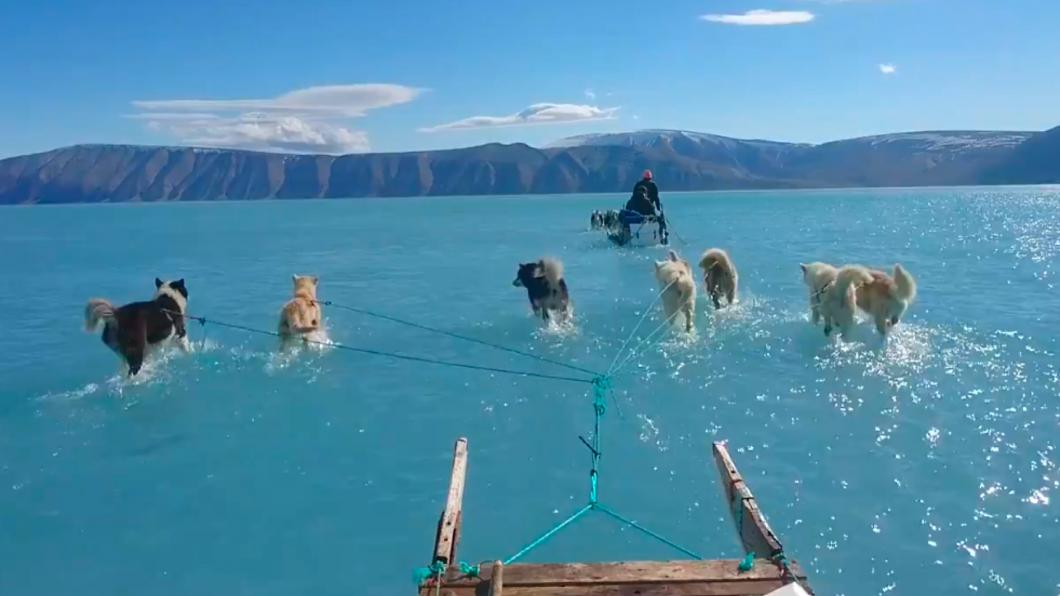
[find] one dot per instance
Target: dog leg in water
(715, 296)
(134, 357)
(881, 325)
(132, 343)
(564, 314)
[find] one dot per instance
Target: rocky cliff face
(593, 163)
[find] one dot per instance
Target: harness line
(640, 321)
(457, 336)
(633, 352)
(395, 355)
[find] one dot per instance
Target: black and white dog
(132, 330)
(545, 287)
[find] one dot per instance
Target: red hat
(647, 174)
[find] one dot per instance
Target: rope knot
(470, 570)
(785, 569)
(748, 563)
(436, 570)
(601, 389)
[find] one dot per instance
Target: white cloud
(171, 116)
(762, 17)
(304, 120)
(888, 69)
(262, 132)
(349, 101)
(539, 113)
(590, 94)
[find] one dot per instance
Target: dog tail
(851, 275)
(905, 283)
(553, 270)
(99, 310)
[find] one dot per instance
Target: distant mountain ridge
(608, 162)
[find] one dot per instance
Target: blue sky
(341, 76)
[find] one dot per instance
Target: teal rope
(458, 336)
(395, 355)
(601, 388)
(648, 532)
(748, 563)
(549, 534)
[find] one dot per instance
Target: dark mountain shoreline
(682, 161)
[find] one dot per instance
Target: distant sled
(634, 229)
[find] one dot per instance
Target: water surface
(924, 465)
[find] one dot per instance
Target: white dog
(886, 298)
(818, 278)
(838, 306)
(678, 287)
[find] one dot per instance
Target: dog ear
(803, 267)
(158, 283)
(180, 287)
(316, 280)
(294, 279)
